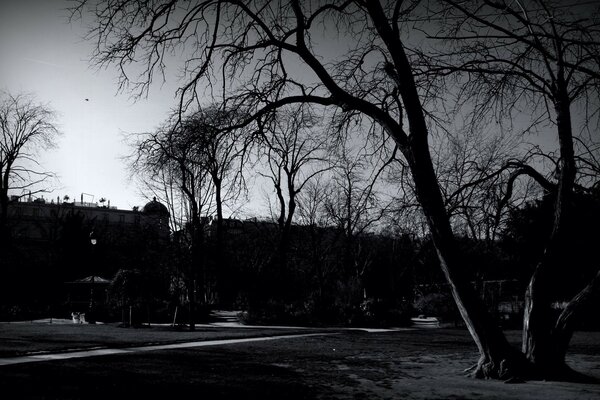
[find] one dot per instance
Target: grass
(419, 364)
(26, 338)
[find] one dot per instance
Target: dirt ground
(415, 364)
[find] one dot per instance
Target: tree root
(511, 368)
(515, 368)
(469, 370)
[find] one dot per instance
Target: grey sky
(44, 55)
(41, 53)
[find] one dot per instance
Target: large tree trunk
(565, 324)
(497, 358)
(546, 345)
(540, 339)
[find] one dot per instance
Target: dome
(154, 207)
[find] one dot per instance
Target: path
(109, 351)
(229, 319)
(219, 319)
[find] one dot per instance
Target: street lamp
(93, 239)
(91, 318)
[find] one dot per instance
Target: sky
(42, 54)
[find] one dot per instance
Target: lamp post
(93, 239)
(91, 318)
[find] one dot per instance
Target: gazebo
(92, 279)
(87, 295)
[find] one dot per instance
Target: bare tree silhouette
(26, 128)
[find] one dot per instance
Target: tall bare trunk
(539, 333)
(497, 358)
(565, 324)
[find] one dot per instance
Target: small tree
(128, 290)
(167, 163)
(296, 154)
(26, 127)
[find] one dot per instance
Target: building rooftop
(155, 207)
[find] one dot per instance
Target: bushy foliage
(530, 226)
(317, 284)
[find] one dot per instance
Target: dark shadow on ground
(407, 365)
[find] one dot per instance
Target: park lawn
(417, 364)
(27, 338)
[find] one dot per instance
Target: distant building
(77, 239)
(54, 244)
(41, 220)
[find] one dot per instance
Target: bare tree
(311, 203)
(353, 203)
(260, 56)
(296, 153)
(544, 57)
(312, 213)
(26, 128)
(206, 165)
(474, 169)
(166, 162)
(221, 153)
(355, 206)
(224, 155)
